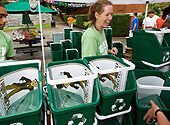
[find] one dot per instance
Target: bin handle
(155, 66)
(100, 117)
(68, 80)
(131, 67)
(152, 87)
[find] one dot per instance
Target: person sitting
(160, 21)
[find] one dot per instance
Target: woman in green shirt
(94, 40)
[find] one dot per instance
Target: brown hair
(97, 7)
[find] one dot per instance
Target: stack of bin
(56, 51)
(67, 33)
(21, 93)
(119, 47)
(151, 85)
(75, 37)
(66, 79)
(67, 44)
(108, 34)
(117, 85)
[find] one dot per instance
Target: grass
(44, 26)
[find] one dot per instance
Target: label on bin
(15, 85)
(113, 81)
(70, 70)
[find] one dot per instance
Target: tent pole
(146, 12)
(42, 42)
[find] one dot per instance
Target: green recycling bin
(125, 119)
(67, 44)
(75, 37)
(73, 92)
(20, 93)
(57, 37)
(108, 34)
(117, 85)
(147, 47)
(56, 51)
(119, 47)
(72, 54)
(129, 41)
(67, 33)
(151, 85)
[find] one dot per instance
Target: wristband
(158, 110)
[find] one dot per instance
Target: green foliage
(87, 24)
(81, 19)
(120, 25)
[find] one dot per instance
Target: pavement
(47, 33)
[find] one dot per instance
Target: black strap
(158, 110)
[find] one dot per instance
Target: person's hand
(151, 112)
(113, 51)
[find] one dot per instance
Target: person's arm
(113, 51)
(161, 118)
(134, 26)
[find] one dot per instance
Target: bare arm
(161, 118)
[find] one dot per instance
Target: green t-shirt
(6, 46)
(93, 43)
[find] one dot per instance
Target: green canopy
(24, 6)
(24, 19)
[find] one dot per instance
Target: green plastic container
(57, 37)
(148, 81)
(108, 34)
(67, 33)
(127, 120)
(21, 92)
(145, 65)
(64, 112)
(129, 41)
(119, 99)
(67, 44)
(56, 51)
(119, 47)
(75, 37)
(72, 54)
(146, 47)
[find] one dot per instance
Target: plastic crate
(117, 84)
(67, 33)
(57, 37)
(21, 92)
(72, 54)
(146, 47)
(75, 37)
(63, 87)
(151, 85)
(56, 51)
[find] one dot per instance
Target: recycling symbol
(166, 56)
(118, 105)
(77, 119)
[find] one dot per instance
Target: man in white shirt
(150, 21)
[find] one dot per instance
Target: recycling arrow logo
(118, 105)
(166, 56)
(77, 119)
